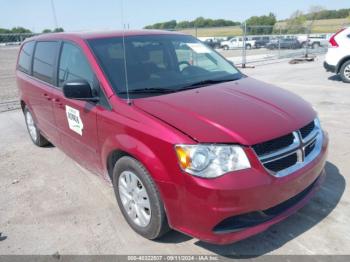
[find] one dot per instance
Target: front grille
(282, 155)
(273, 145)
(282, 163)
(310, 148)
(306, 130)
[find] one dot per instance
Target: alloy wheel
(347, 71)
(134, 198)
(31, 126)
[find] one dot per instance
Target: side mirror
(79, 90)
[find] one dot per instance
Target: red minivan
(187, 140)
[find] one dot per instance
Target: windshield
(157, 64)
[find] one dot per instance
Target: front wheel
(139, 199)
(225, 47)
(34, 133)
(345, 72)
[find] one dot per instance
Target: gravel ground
(8, 89)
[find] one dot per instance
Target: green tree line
(199, 22)
(15, 30)
(261, 25)
(328, 14)
(22, 30)
(18, 34)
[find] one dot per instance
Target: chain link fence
(14, 39)
(249, 44)
(244, 45)
(253, 44)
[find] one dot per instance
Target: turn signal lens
(183, 156)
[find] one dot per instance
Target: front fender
(168, 179)
(341, 62)
(137, 149)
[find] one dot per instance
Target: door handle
(58, 102)
(47, 97)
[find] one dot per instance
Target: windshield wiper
(148, 90)
(206, 82)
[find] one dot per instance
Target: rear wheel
(139, 199)
(345, 72)
(248, 47)
(34, 133)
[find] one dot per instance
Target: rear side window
(44, 61)
(73, 65)
(25, 57)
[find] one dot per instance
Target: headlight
(211, 160)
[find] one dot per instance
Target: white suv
(338, 55)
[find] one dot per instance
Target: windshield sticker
(199, 48)
(74, 120)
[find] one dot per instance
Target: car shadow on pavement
(320, 206)
(174, 237)
(2, 238)
(335, 78)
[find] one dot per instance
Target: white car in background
(338, 55)
(237, 42)
(313, 41)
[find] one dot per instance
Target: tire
(345, 72)
(127, 168)
(225, 47)
(248, 47)
(316, 45)
(34, 133)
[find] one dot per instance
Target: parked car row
(291, 43)
(270, 42)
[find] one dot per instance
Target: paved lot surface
(49, 204)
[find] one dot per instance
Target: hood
(246, 111)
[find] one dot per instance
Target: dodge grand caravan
(189, 142)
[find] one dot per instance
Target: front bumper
(329, 68)
(211, 207)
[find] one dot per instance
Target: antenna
(124, 50)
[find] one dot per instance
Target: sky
(82, 15)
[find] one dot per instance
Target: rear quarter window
(25, 57)
(44, 61)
